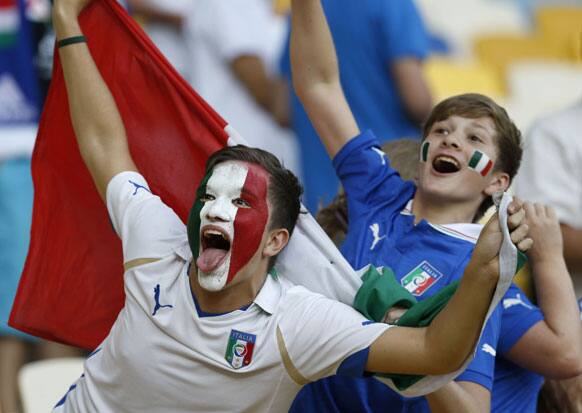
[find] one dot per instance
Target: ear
(276, 241)
(498, 182)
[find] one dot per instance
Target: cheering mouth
(445, 164)
(215, 243)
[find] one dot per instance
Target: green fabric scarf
(380, 291)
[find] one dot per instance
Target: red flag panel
(71, 289)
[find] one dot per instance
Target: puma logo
(157, 300)
(375, 228)
(137, 187)
(510, 302)
(487, 348)
(381, 154)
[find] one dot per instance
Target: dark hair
(284, 187)
(508, 137)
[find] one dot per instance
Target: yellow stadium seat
(282, 6)
(561, 26)
(499, 51)
(447, 78)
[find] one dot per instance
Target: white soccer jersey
(162, 355)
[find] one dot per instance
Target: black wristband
(71, 40)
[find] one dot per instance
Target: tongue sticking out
(210, 259)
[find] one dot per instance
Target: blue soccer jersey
(424, 257)
(515, 389)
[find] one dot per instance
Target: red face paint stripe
(487, 168)
(249, 223)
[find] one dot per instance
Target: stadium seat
(447, 77)
(460, 21)
(43, 383)
(562, 27)
(501, 50)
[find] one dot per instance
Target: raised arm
(553, 346)
(445, 344)
(316, 76)
(96, 120)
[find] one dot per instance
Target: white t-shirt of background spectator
(170, 39)
(163, 354)
(218, 32)
(551, 171)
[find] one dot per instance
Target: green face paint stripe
(475, 159)
(193, 226)
(424, 151)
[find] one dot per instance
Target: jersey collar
(270, 294)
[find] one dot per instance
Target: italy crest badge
(239, 351)
(420, 279)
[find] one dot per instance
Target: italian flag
(9, 22)
(480, 163)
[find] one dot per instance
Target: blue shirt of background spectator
(369, 35)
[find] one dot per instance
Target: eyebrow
(248, 193)
(479, 126)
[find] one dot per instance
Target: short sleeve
(482, 368)
(400, 27)
(551, 173)
(147, 227)
(318, 334)
(367, 177)
(519, 315)
(235, 27)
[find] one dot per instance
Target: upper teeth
(213, 232)
(448, 159)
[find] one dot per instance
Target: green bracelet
(71, 40)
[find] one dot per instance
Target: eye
(475, 138)
(241, 203)
(441, 131)
(207, 197)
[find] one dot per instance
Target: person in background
(234, 49)
(380, 47)
(20, 104)
(163, 22)
(552, 174)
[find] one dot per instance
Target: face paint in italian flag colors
(227, 221)
(424, 151)
(481, 163)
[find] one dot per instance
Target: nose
(452, 140)
(218, 210)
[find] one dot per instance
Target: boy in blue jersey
(425, 232)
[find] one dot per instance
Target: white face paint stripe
(225, 184)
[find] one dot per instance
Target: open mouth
(445, 164)
(215, 247)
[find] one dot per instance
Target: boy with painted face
(216, 222)
(426, 233)
(203, 320)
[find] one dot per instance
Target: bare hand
(544, 229)
(486, 254)
(393, 315)
(561, 396)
